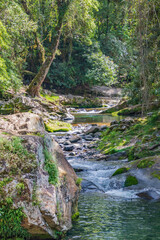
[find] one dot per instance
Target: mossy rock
(130, 181)
(131, 155)
(134, 110)
(146, 163)
(156, 174)
(57, 126)
(120, 171)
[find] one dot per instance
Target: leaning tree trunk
(36, 83)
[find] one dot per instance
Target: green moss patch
(134, 110)
(50, 98)
(156, 174)
(130, 180)
(57, 126)
(146, 163)
(120, 171)
(139, 140)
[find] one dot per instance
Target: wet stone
(67, 143)
(68, 148)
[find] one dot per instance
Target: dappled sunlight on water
(104, 217)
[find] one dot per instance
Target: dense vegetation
(81, 43)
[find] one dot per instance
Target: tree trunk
(36, 83)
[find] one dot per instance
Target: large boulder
(21, 123)
(40, 106)
(41, 182)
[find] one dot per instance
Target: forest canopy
(74, 43)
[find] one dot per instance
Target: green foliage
(120, 171)
(15, 34)
(78, 182)
(102, 70)
(51, 167)
(10, 221)
(131, 154)
(3, 183)
(58, 234)
(143, 127)
(17, 156)
(130, 181)
(20, 187)
(8, 76)
(10, 217)
(52, 98)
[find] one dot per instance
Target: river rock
(97, 134)
(22, 123)
(93, 129)
(68, 116)
(114, 123)
(67, 142)
(149, 195)
(88, 138)
(116, 156)
(41, 201)
(103, 128)
(75, 139)
(68, 148)
(88, 186)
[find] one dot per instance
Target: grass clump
(16, 156)
(57, 126)
(78, 182)
(20, 188)
(51, 167)
(130, 180)
(146, 163)
(120, 171)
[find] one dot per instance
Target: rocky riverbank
(38, 187)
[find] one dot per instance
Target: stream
(107, 210)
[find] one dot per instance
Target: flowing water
(107, 210)
(107, 217)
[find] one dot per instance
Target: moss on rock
(120, 171)
(145, 163)
(57, 126)
(130, 180)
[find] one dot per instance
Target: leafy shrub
(102, 70)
